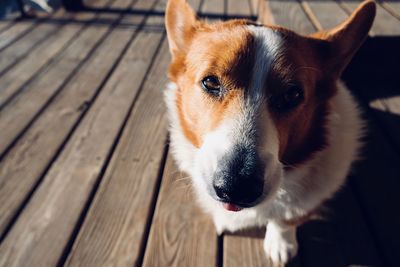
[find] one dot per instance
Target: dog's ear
(345, 39)
(180, 21)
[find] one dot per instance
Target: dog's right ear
(180, 21)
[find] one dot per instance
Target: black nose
(240, 178)
(242, 193)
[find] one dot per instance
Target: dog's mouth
(232, 207)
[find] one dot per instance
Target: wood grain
(115, 227)
(55, 208)
(213, 7)
(291, 15)
(247, 247)
(36, 90)
(38, 57)
(254, 7)
(14, 32)
(238, 8)
(264, 14)
(18, 50)
(128, 189)
(5, 25)
(327, 13)
(392, 7)
(181, 234)
(384, 25)
(29, 158)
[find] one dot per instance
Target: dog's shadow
(358, 226)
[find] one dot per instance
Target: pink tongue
(231, 207)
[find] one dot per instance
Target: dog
(259, 120)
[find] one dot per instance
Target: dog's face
(253, 99)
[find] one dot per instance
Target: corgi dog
(259, 120)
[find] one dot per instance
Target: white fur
(302, 189)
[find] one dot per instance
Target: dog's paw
(279, 246)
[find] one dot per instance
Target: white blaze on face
(251, 125)
(215, 145)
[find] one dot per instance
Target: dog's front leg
(280, 242)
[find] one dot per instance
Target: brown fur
(228, 54)
(226, 50)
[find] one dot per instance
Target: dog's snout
(242, 193)
(240, 179)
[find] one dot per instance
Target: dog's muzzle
(239, 179)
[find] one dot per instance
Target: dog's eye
(288, 100)
(212, 85)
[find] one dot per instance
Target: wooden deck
(86, 176)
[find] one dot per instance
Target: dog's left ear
(180, 21)
(345, 39)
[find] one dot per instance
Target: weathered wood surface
(13, 33)
(191, 239)
(238, 8)
(291, 15)
(384, 25)
(130, 182)
(14, 52)
(36, 78)
(86, 177)
(62, 194)
(6, 24)
(24, 165)
(15, 77)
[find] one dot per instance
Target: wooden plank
(291, 15)
(40, 55)
(213, 8)
(130, 181)
(248, 247)
(137, 172)
(254, 7)
(181, 234)
(328, 14)
(16, 31)
(392, 7)
(6, 24)
(384, 25)
(15, 116)
(264, 14)
(10, 55)
(239, 8)
(23, 166)
(53, 211)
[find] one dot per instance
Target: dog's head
(253, 99)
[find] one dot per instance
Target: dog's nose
(243, 193)
(240, 178)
